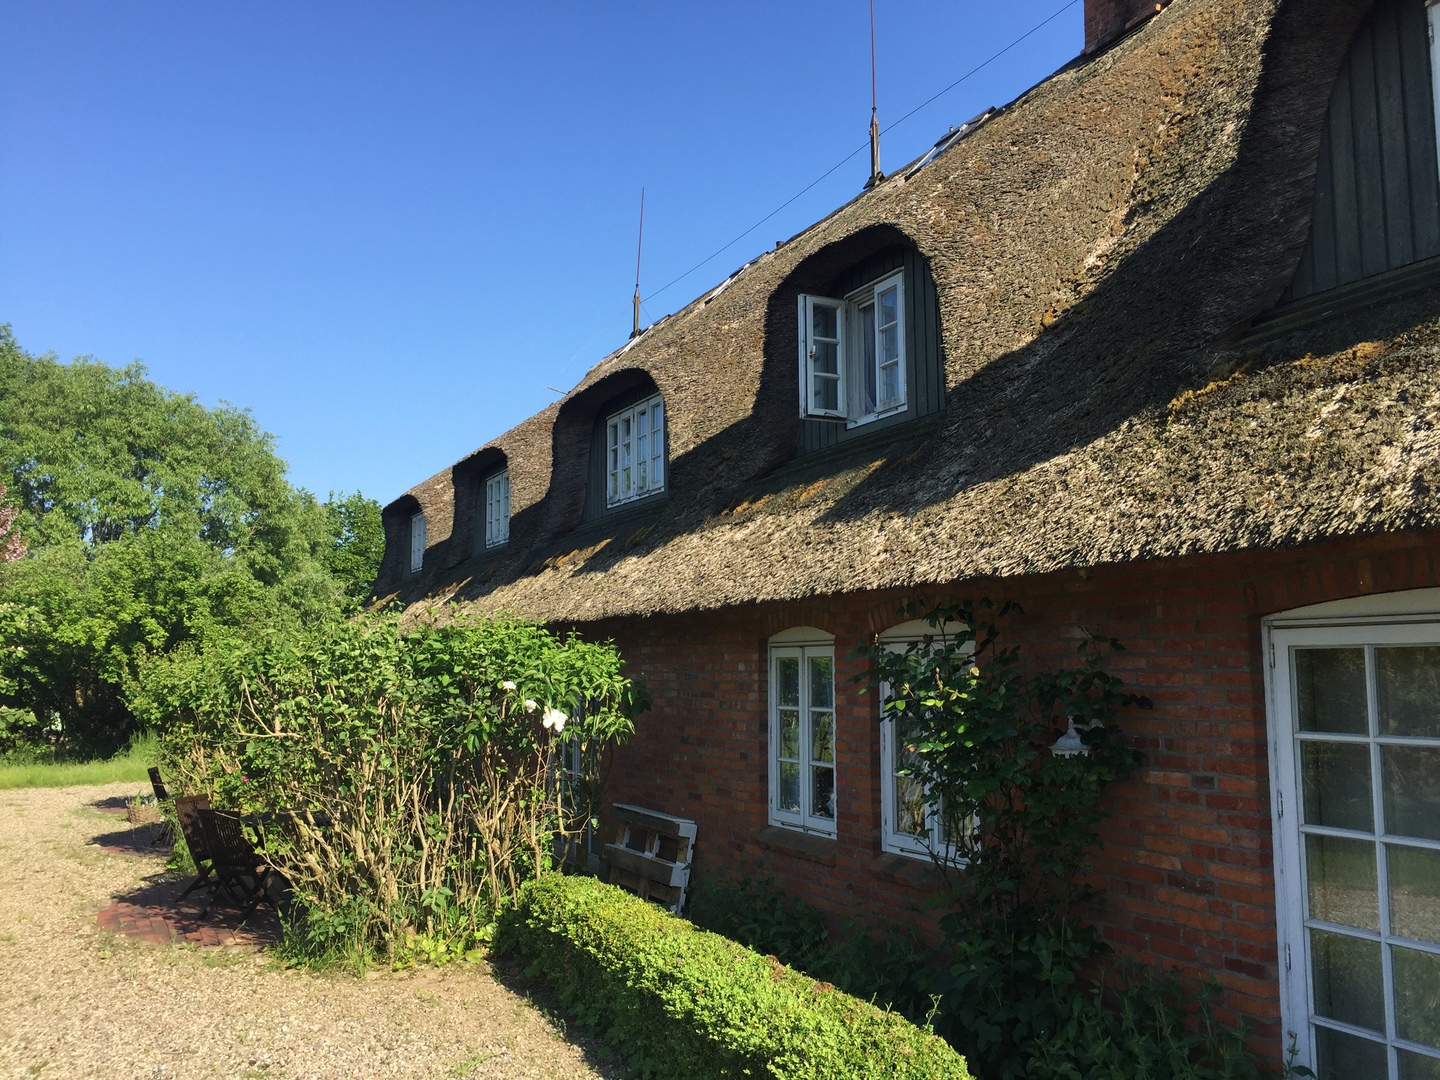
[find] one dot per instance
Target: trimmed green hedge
(679, 1001)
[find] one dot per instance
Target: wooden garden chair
(240, 871)
(187, 812)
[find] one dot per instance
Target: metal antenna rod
(635, 329)
(875, 174)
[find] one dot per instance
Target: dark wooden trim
(1392, 284)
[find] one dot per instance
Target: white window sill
(870, 418)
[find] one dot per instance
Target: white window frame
(417, 541)
(635, 462)
(801, 643)
(852, 376)
(934, 844)
(497, 509)
(1410, 618)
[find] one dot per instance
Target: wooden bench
(651, 855)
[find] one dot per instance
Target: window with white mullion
(802, 737)
(910, 823)
(635, 452)
(822, 357)
(417, 542)
(852, 353)
(1362, 705)
(497, 509)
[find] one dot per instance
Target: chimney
(1106, 20)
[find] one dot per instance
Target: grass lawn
(128, 765)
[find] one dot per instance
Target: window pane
(1348, 1056)
(1335, 778)
(822, 801)
(889, 345)
(1407, 682)
(826, 395)
(1343, 885)
(825, 358)
(822, 682)
(889, 301)
(822, 736)
(787, 680)
(1411, 780)
(910, 807)
(789, 786)
(890, 383)
(1347, 979)
(1330, 690)
(1417, 995)
(825, 321)
(1417, 1066)
(789, 734)
(1414, 892)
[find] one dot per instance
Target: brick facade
(1187, 861)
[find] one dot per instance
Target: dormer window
(635, 452)
(1377, 186)
(417, 542)
(497, 509)
(852, 353)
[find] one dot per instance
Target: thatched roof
(1098, 248)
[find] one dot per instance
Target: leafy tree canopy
(357, 542)
(152, 522)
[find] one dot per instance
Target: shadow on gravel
(598, 1055)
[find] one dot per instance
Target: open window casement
(852, 353)
(822, 357)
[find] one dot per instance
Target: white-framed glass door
(1355, 733)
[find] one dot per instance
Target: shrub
(426, 760)
(976, 733)
(1144, 1028)
(679, 1001)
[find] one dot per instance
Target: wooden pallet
(651, 855)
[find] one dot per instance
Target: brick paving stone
(152, 913)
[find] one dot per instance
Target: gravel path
(77, 1002)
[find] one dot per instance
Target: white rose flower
(555, 719)
(507, 685)
(530, 706)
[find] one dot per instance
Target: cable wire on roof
(865, 145)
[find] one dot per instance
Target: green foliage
(357, 542)
(1150, 1027)
(1022, 822)
(871, 963)
(410, 776)
(27, 769)
(678, 1001)
(152, 522)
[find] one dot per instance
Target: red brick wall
(1187, 859)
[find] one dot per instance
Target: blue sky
(385, 228)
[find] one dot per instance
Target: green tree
(357, 542)
(152, 521)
